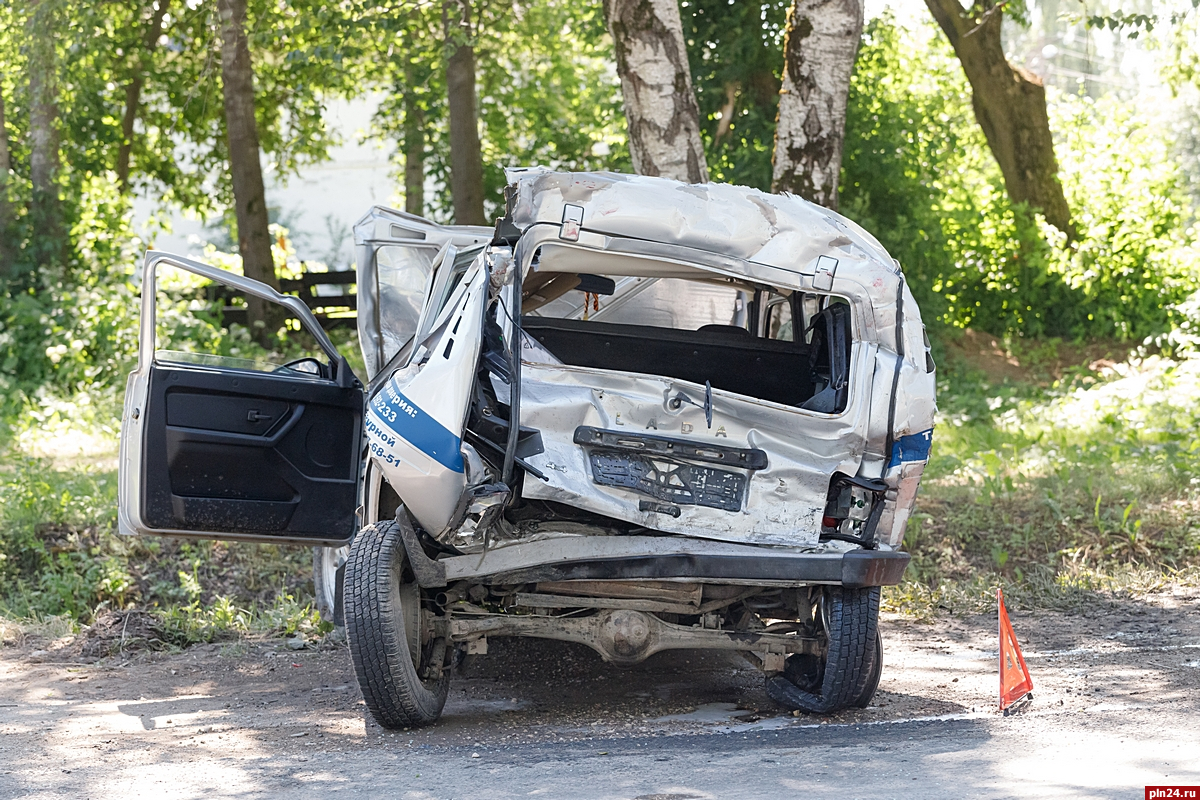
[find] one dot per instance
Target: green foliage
(917, 173)
(73, 332)
(1093, 485)
(48, 521)
(80, 335)
(195, 622)
(736, 55)
(1184, 338)
(547, 91)
(60, 555)
(303, 54)
(1137, 256)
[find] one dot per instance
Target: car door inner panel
(249, 453)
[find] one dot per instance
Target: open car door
(222, 448)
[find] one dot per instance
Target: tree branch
(133, 94)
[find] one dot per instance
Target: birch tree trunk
(133, 94)
(45, 209)
(820, 44)
(7, 251)
(466, 159)
(656, 83)
(1010, 105)
(249, 195)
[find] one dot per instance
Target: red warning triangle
(1015, 682)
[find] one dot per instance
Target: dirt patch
(116, 632)
(1036, 363)
(529, 684)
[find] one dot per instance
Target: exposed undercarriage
(627, 621)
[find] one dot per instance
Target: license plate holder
(669, 481)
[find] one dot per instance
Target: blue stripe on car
(417, 428)
(914, 447)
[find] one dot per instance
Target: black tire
(808, 671)
(329, 569)
(382, 603)
(876, 672)
(852, 629)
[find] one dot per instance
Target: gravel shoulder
(1116, 702)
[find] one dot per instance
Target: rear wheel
(400, 664)
(848, 675)
(329, 565)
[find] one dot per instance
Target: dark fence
(328, 294)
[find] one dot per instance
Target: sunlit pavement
(1115, 705)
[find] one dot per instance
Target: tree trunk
(818, 56)
(466, 158)
(45, 208)
(249, 196)
(133, 94)
(1010, 105)
(725, 125)
(656, 83)
(414, 149)
(7, 251)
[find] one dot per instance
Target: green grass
(61, 557)
(1057, 493)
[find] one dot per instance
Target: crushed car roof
(780, 231)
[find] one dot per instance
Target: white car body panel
(414, 423)
(783, 503)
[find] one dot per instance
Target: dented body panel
(415, 422)
(781, 504)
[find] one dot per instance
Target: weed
(61, 558)
(1091, 485)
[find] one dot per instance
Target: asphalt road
(1117, 696)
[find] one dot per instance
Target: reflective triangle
(1015, 681)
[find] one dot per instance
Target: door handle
(269, 439)
(254, 416)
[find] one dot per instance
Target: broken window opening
(736, 336)
(777, 317)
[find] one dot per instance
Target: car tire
(329, 568)
(871, 685)
(391, 656)
(851, 627)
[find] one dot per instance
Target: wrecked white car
(639, 415)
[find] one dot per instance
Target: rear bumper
(853, 570)
(661, 558)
